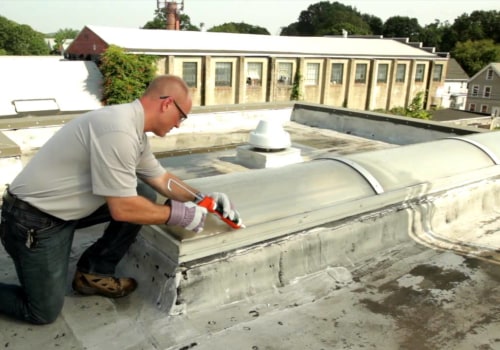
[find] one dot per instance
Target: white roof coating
(30, 80)
(193, 42)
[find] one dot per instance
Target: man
(89, 173)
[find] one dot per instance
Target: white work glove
(225, 206)
(186, 214)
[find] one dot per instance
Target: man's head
(166, 103)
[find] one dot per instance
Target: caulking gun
(207, 202)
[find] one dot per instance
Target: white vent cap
(269, 135)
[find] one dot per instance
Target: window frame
(384, 78)
(360, 76)
(487, 91)
(420, 73)
(337, 67)
(437, 68)
(285, 76)
(228, 79)
(255, 82)
(312, 75)
(489, 74)
(186, 78)
(474, 91)
(397, 79)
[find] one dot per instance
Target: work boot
(108, 286)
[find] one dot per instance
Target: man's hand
(186, 214)
(225, 206)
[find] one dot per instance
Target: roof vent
(269, 136)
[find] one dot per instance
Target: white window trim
(312, 74)
(489, 74)
(484, 91)
(474, 87)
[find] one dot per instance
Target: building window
(489, 74)
(337, 76)
(190, 73)
(312, 74)
(400, 73)
(360, 76)
(475, 90)
(438, 72)
(254, 73)
(472, 107)
(487, 92)
(285, 73)
(420, 73)
(484, 108)
(223, 73)
(382, 73)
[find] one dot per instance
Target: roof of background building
(48, 83)
(196, 43)
(494, 65)
(455, 71)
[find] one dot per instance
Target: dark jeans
(40, 247)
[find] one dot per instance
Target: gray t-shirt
(99, 154)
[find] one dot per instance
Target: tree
(478, 25)
(21, 39)
(474, 55)
(375, 23)
(402, 27)
(290, 30)
(432, 34)
(126, 76)
(60, 38)
(241, 27)
(160, 21)
(325, 18)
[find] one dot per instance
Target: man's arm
(138, 210)
(176, 190)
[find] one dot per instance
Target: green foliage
(60, 38)
(375, 23)
(475, 55)
(295, 94)
(325, 18)
(402, 27)
(414, 110)
(242, 28)
(21, 39)
(125, 76)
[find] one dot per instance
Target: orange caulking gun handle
(210, 204)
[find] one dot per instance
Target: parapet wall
(376, 126)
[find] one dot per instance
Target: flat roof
(196, 43)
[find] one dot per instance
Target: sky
(48, 16)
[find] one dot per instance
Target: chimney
(172, 16)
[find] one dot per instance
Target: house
(455, 86)
(227, 68)
(484, 90)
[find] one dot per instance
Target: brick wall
(87, 46)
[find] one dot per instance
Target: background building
(226, 68)
(484, 90)
(455, 86)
